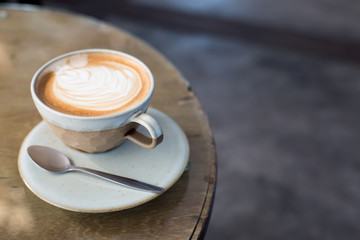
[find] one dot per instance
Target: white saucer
(79, 192)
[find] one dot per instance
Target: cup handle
(151, 125)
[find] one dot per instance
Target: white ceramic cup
(100, 133)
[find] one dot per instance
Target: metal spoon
(55, 161)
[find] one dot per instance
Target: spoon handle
(128, 182)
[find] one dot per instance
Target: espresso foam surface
(92, 85)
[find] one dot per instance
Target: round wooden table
(29, 37)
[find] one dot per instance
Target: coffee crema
(93, 84)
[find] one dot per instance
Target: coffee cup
(95, 99)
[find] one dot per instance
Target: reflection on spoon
(55, 161)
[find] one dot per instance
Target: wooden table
(31, 36)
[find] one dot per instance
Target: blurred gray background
(280, 82)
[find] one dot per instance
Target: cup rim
(109, 116)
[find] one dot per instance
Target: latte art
(98, 88)
(94, 84)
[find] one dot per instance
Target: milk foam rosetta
(100, 88)
(84, 86)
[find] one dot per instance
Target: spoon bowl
(49, 159)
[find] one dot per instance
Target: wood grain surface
(29, 37)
